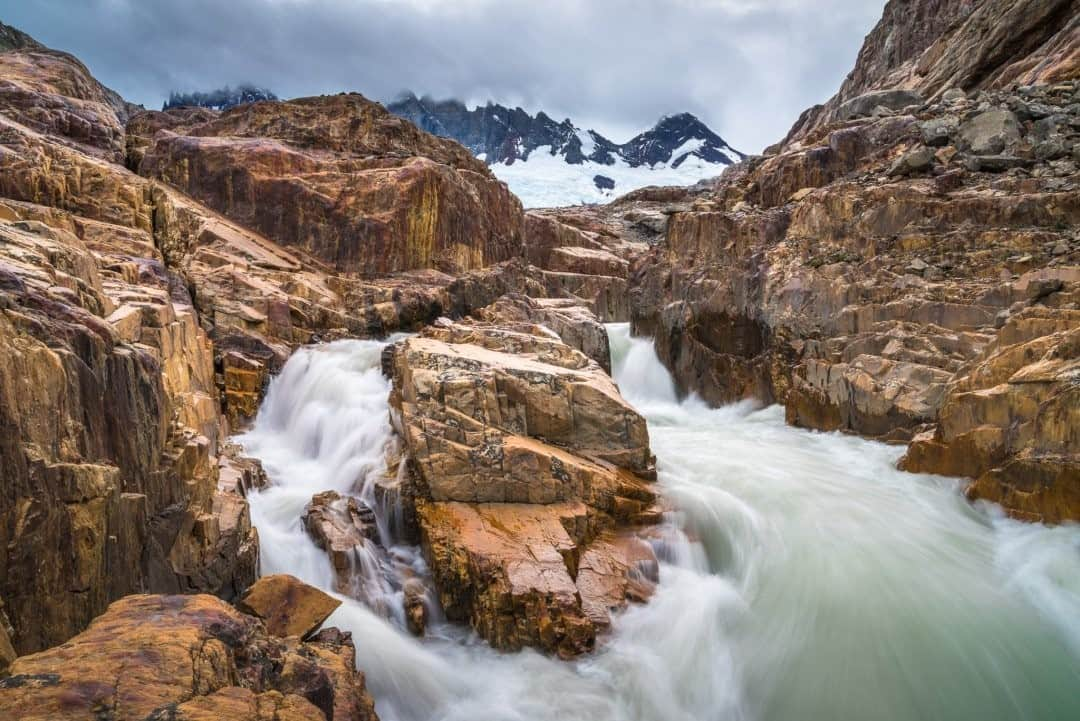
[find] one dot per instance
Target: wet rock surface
(522, 453)
(858, 271)
(187, 658)
(340, 525)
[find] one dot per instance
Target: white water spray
(820, 583)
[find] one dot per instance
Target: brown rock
(338, 526)
(575, 324)
(287, 605)
(240, 704)
(415, 606)
(53, 93)
(114, 442)
(192, 657)
(522, 449)
(934, 46)
(1011, 420)
(416, 201)
(502, 568)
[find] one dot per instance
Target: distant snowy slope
(548, 181)
(549, 163)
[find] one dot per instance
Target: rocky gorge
(301, 345)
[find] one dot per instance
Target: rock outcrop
(111, 429)
(866, 272)
(53, 93)
(1011, 419)
(141, 326)
(189, 658)
(339, 177)
(922, 49)
(525, 461)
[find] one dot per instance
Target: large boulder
(287, 605)
(108, 398)
(522, 453)
(340, 526)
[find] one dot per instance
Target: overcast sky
(746, 67)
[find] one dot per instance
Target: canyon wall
(906, 264)
(157, 268)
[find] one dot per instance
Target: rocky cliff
(143, 312)
(905, 264)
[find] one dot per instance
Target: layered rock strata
(112, 430)
(862, 270)
(526, 463)
(142, 326)
(339, 177)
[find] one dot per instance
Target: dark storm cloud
(747, 67)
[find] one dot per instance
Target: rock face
(584, 254)
(867, 271)
(53, 93)
(574, 324)
(111, 429)
(523, 454)
(187, 658)
(339, 177)
(1011, 419)
(923, 49)
(139, 325)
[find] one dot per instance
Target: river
(803, 577)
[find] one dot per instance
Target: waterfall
(802, 576)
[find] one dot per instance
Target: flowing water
(803, 577)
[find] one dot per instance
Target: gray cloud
(746, 67)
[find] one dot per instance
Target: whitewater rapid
(803, 577)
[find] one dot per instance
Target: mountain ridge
(503, 134)
(554, 163)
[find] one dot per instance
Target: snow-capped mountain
(220, 99)
(548, 163)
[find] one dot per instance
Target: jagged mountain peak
(675, 138)
(529, 150)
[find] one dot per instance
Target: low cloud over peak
(746, 67)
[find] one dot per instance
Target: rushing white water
(804, 578)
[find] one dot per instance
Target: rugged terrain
(524, 462)
(157, 267)
(905, 264)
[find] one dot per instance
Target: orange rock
(287, 605)
(523, 451)
(193, 657)
(1011, 420)
(401, 199)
